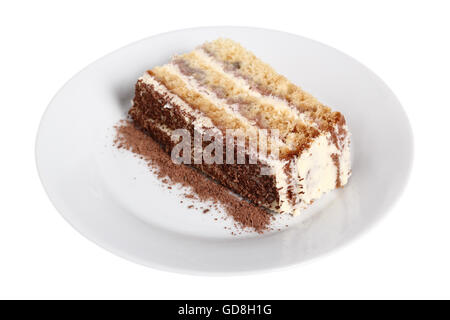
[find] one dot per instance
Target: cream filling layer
(192, 85)
(277, 102)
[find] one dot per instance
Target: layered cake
(274, 144)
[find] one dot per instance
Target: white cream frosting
(317, 169)
(313, 174)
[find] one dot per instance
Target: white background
(44, 43)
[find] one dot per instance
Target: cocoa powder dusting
(202, 188)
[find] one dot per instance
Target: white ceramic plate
(112, 198)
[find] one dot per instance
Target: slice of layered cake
(274, 144)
